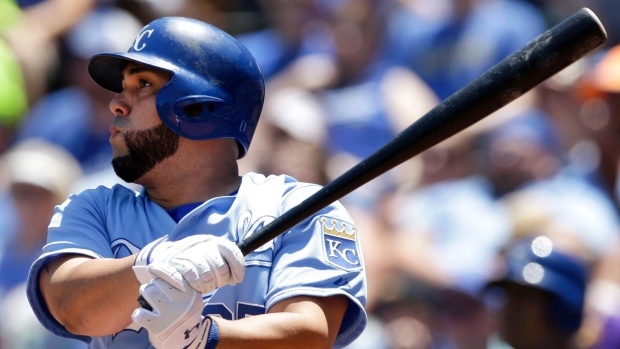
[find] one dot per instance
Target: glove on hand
(204, 261)
(176, 320)
(156, 250)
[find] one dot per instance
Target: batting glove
(176, 320)
(205, 262)
(156, 250)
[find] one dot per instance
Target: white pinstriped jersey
(318, 257)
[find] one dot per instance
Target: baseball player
(187, 104)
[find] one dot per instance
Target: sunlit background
(504, 236)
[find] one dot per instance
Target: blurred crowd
(503, 236)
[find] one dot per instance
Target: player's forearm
(92, 297)
(272, 331)
(300, 322)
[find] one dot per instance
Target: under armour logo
(189, 331)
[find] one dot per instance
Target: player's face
(139, 139)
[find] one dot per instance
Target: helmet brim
(106, 69)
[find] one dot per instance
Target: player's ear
(236, 147)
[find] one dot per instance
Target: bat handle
(144, 304)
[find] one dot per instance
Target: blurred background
(504, 236)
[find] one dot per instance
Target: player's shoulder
(290, 188)
(286, 180)
(295, 192)
(289, 183)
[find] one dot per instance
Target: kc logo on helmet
(340, 241)
(136, 43)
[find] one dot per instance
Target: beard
(146, 149)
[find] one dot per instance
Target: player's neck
(181, 180)
(173, 194)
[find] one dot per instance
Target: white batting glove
(205, 262)
(176, 320)
(156, 250)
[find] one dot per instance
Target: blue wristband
(213, 338)
(208, 337)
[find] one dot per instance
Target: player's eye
(144, 83)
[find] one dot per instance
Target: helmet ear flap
(197, 109)
(192, 107)
(194, 110)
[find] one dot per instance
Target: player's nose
(118, 107)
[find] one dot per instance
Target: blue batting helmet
(535, 262)
(216, 90)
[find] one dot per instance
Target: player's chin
(118, 147)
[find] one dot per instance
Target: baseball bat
(538, 60)
(541, 58)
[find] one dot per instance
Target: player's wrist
(214, 335)
(145, 257)
(209, 337)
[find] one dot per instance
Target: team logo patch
(340, 241)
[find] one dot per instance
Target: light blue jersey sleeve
(76, 227)
(83, 225)
(321, 257)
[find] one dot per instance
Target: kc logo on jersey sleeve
(340, 241)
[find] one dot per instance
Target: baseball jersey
(319, 257)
